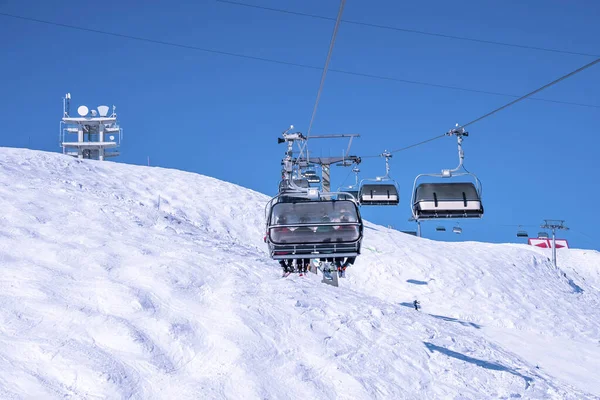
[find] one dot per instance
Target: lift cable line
(554, 82)
(329, 53)
(461, 127)
(323, 75)
(393, 28)
(281, 62)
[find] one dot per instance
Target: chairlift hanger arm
(326, 160)
(335, 136)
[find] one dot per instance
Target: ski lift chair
(293, 190)
(312, 229)
(298, 185)
(522, 234)
(448, 199)
(311, 176)
(313, 179)
(383, 191)
(440, 228)
(457, 229)
(543, 235)
(350, 192)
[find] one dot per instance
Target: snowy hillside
(123, 281)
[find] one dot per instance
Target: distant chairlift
(307, 226)
(543, 235)
(383, 191)
(440, 228)
(522, 234)
(350, 192)
(457, 229)
(448, 199)
(311, 176)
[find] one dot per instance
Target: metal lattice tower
(554, 224)
(98, 135)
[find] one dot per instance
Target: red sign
(547, 243)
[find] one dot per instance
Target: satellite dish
(103, 111)
(94, 113)
(111, 137)
(82, 110)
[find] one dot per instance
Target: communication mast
(97, 134)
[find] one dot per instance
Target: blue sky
(220, 115)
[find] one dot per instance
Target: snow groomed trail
(131, 282)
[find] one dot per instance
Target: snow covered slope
(122, 281)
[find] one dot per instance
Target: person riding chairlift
(286, 264)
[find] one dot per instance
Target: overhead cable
(554, 82)
(280, 62)
(393, 28)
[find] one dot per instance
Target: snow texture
(130, 282)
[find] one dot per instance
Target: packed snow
(130, 282)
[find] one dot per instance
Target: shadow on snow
(480, 363)
(463, 323)
(416, 282)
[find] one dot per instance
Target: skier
(416, 304)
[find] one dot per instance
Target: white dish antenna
(103, 111)
(111, 137)
(82, 111)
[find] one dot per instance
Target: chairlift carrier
(313, 225)
(522, 233)
(448, 199)
(350, 192)
(383, 191)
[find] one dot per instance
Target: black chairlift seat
(285, 185)
(440, 228)
(348, 194)
(522, 234)
(289, 194)
(314, 229)
(378, 194)
(313, 179)
(447, 200)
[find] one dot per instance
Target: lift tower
(305, 161)
(554, 224)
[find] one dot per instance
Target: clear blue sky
(220, 115)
